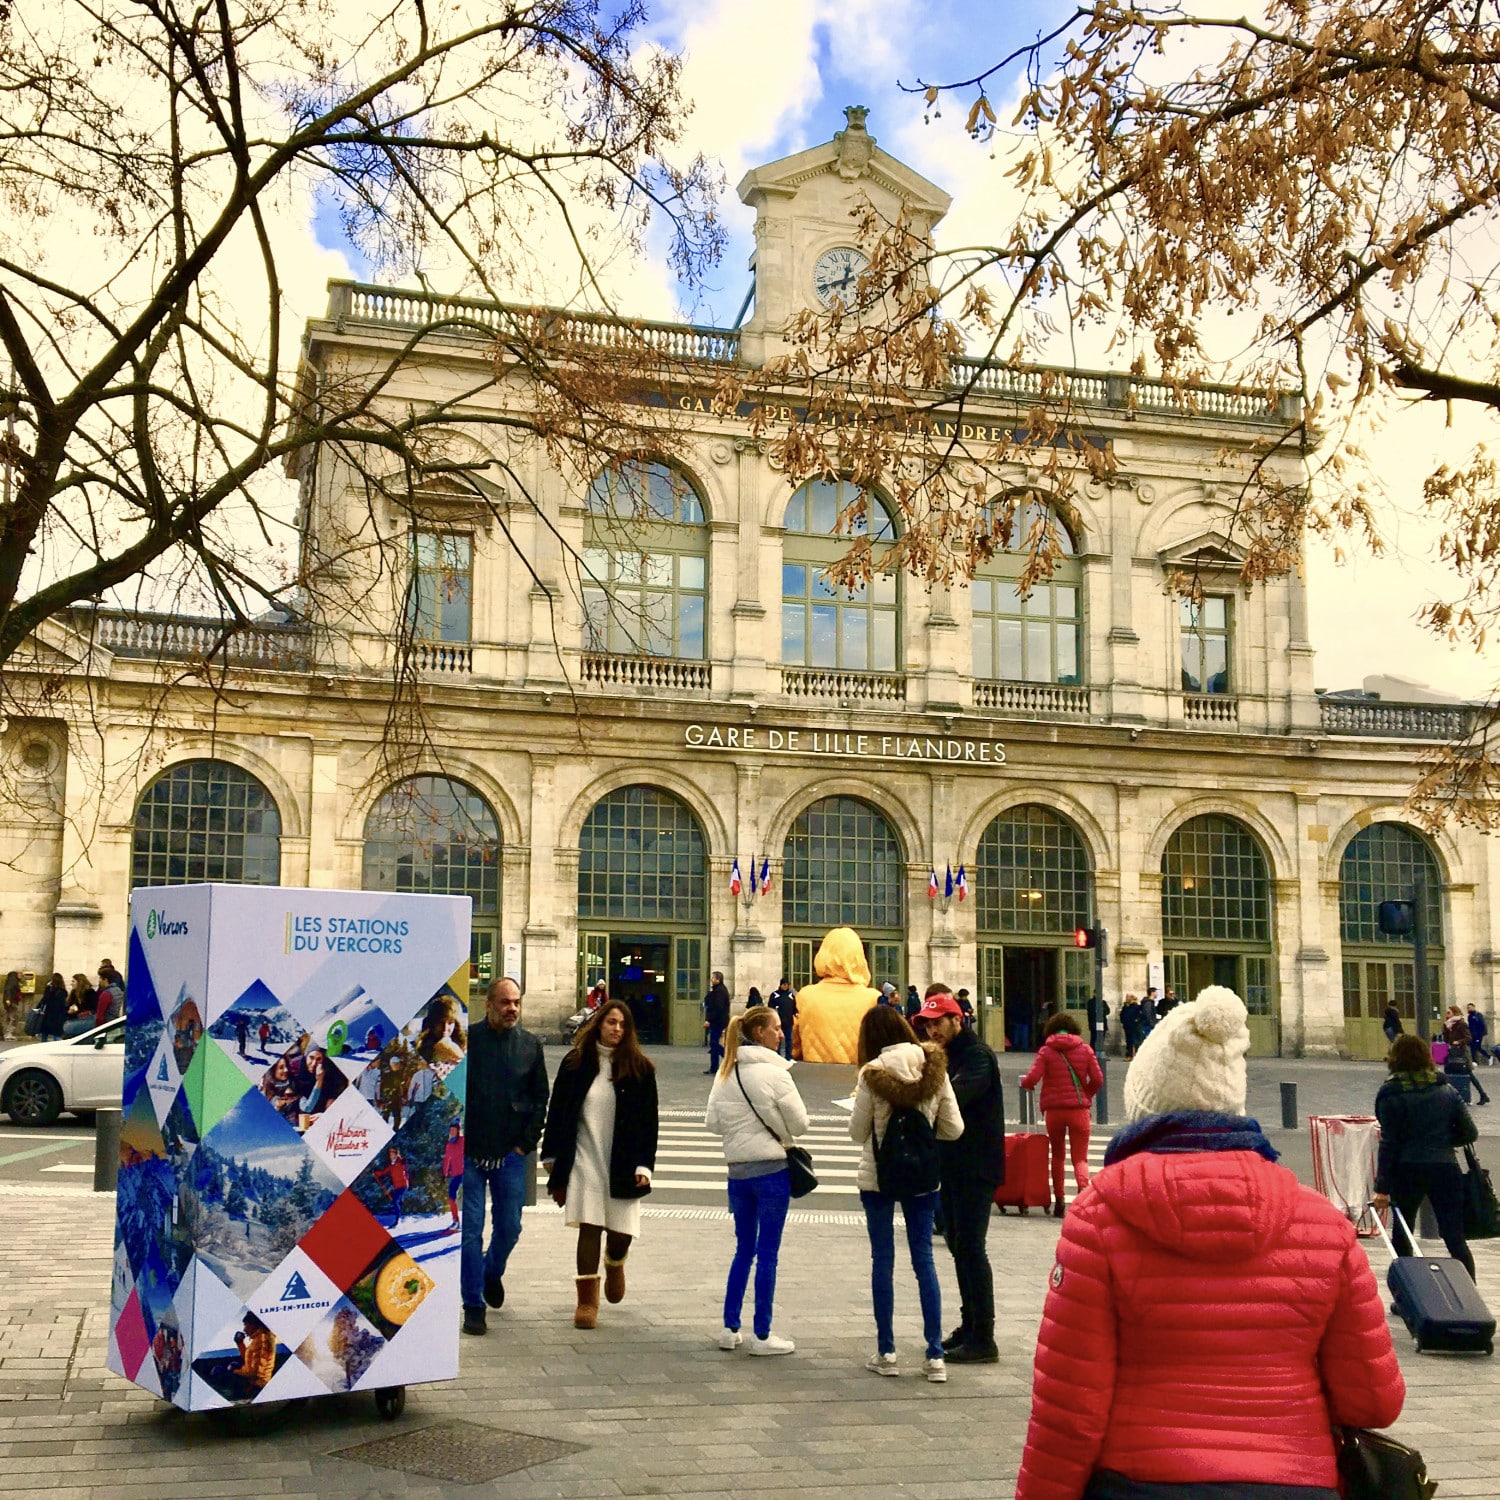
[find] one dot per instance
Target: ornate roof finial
(856, 145)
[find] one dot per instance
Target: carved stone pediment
(1207, 552)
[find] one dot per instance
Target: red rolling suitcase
(1026, 1169)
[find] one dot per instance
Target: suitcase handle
(1385, 1234)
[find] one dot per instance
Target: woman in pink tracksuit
(1070, 1076)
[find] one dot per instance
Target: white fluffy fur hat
(1193, 1059)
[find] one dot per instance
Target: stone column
(550, 933)
(747, 944)
(323, 817)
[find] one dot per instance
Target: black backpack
(906, 1156)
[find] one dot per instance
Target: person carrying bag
(754, 1087)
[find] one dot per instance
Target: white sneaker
(882, 1364)
(771, 1345)
(935, 1370)
(730, 1339)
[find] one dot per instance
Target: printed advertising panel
(294, 1067)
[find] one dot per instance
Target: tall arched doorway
(1384, 862)
(206, 820)
(643, 909)
(1033, 887)
(843, 866)
(1216, 920)
(432, 835)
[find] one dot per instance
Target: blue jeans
(759, 1206)
(507, 1190)
(880, 1220)
(715, 1047)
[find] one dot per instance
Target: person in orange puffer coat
(1209, 1318)
(1070, 1076)
(826, 1028)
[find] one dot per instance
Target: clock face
(836, 273)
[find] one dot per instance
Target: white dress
(588, 1200)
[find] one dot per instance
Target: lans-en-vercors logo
(158, 924)
(296, 1294)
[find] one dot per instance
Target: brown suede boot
(614, 1279)
(587, 1313)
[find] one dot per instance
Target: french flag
(948, 884)
(962, 883)
(736, 885)
(932, 884)
(765, 877)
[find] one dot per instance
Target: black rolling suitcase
(1437, 1300)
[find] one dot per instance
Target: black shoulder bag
(1481, 1208)
(1373, 1466)
(799, 1162)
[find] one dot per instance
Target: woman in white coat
(755, 1080)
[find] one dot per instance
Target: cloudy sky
(772, 78)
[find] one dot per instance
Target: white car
(82, 1074)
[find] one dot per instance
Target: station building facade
(626, 728)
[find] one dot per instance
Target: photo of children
(241, 1373)
(341, 1348)
(302, 1083)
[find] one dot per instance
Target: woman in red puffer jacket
(1070, 1076)
(1209, 1318)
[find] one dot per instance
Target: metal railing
(1040, 699)
(153, 637)
(1396, 721)
(843, 687)
(1216, 710)
(646, 672)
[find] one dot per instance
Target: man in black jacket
(715, 1019)
(506, 1105)
(973, 1166)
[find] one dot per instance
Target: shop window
(645, 564)
(1206, 644)
(1036, 636)
(442, 590)
(822, 625)
(206, 820)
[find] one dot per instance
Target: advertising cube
(293, 1121)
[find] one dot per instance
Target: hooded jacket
(906, 1075)
(767, 1080)
(1209, 1318)
(1060, 1051)
(829, 1012)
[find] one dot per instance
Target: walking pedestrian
(784, 1003)
(752, 999)
(902, 1088)
(1209, 1318)
(829, 1012)
(1390, 1023)
(756, 1110)
(1131, 1020)
(54, 1010)
(505, 1104)
(1478, 1030)
(1068, 1070)
(715, 1019)
(1457, 1064)
(1422, 1122)
(10, 1005)
(913, 1002)
(600, 1149)
(966, 1008)
(973, 1166)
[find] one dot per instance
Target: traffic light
(1394, 918)
(1095, 937)
(1083, 937)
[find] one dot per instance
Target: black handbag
(1481, 1207)
(1373, 1466)
(799, 1162)
(34, 1021)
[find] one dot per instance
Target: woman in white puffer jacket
(755, 1079)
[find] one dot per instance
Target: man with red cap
(973, 1166)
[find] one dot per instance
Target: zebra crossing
(690, 1160)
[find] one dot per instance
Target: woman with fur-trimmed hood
(897, 1072)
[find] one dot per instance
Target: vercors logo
(157, 925)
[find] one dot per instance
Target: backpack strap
(1077, 1085)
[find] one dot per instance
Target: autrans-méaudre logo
(159, 924)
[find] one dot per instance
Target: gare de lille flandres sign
(838, 744)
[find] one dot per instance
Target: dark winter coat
(784, 1003)
(978, 1155)
(505, 1092)
(1421, 1119)
(716, 1007)
(1391, 1023)
(1208, 1319)
(1478, 1029)
(634, 1143)
(54, 1010)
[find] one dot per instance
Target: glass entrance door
(688, 989)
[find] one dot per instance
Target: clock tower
(805, 251)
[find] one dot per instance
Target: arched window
(206, 820)
(645, 564)
(641, 858)
(1037, 637)
(1382, 863)
(435, 836)
(854, 630)
(1032, 874)
(1215, 886)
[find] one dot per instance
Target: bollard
(1289, 1106)
(1101, 1099)
(531, 1180)
(107, 1149)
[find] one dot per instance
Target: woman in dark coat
(54, 1008)
(1422, 1121)
(599, 1148)
(1391, 1023)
